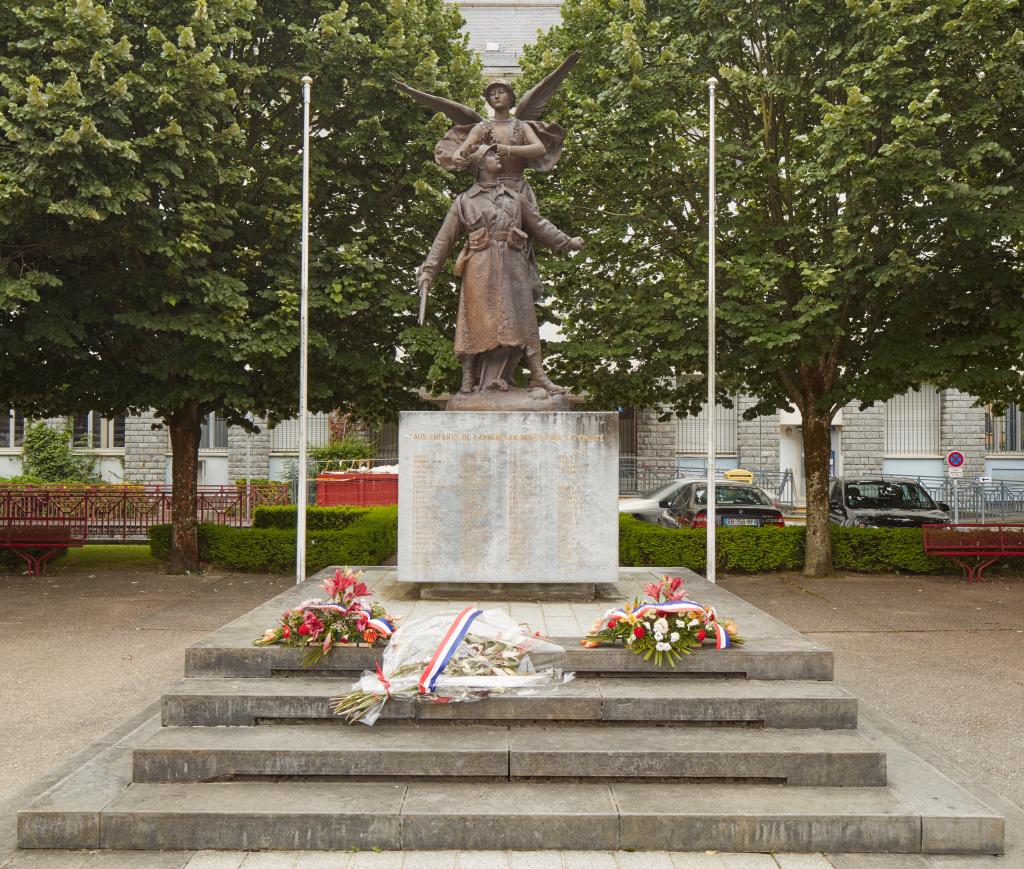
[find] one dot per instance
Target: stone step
(484, 816)
(773, 651)
(518, 752)
(794, 704)
(779, 661)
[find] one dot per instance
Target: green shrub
(882, 550)
(47, 456)
(762, 550)
(344, 450)
(741, 550)
(368, 538)
(317, 518)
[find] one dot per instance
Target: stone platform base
(508, 498)
(521, 591)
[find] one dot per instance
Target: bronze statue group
(496, 330)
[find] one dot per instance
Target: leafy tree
(869, 220)
(150, 178)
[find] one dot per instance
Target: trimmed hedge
(317, 518)
(761, 550)
(366, 539)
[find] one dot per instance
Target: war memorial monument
(507, 501)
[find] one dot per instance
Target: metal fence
(127, 512)
(974, 500)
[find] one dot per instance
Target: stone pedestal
(507, 498)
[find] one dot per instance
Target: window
(90, 431)
(734, 496)
(692, 431)
(1003, 433)
(214, 433)
(12, 429)
(284, 437)
(883, 495)
(912, 423)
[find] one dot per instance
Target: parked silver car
(648, 506)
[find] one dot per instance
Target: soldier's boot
(538, 377)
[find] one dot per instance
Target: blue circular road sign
(955, 459)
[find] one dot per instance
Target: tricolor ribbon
(382, 627)
(453, 636)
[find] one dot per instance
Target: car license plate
(731, 520)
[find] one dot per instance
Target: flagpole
(303, 493)
(712, 83)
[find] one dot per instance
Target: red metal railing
(122, 512)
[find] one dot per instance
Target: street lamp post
(303, 492)
(712, 83)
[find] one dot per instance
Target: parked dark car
(880, 503)
(735, 504)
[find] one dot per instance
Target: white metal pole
(303, 493)
(711, 551)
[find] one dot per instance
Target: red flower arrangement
(344, 617)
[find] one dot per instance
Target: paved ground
(940, 659)
(89, 647)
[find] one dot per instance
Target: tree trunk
(184, 425)
(817, 437)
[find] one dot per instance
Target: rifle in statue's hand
(424, 283)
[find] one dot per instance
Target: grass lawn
(109, 555)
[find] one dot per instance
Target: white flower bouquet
(456, 656)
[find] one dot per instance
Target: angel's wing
(459, 113)
(532, 103)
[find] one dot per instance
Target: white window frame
(284, 437)
(9, 424)
(691, 432)
(100, 433)
(913, 424)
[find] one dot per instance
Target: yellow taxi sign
(739, 475)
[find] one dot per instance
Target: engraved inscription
(476, 527)
(525, 494)
(570, 503)
(427, 531)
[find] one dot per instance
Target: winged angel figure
(496, 151)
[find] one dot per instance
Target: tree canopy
(870, 159)
(150, 176)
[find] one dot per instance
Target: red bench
(986, 541)
(36, 539)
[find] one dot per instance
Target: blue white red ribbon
(453, 636)
(382, 627)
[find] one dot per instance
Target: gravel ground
(940, 659)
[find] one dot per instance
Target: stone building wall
(655, 443)
(963, 428)
(145, 450)
(863, 439)
(249, 454)
(757, 440)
